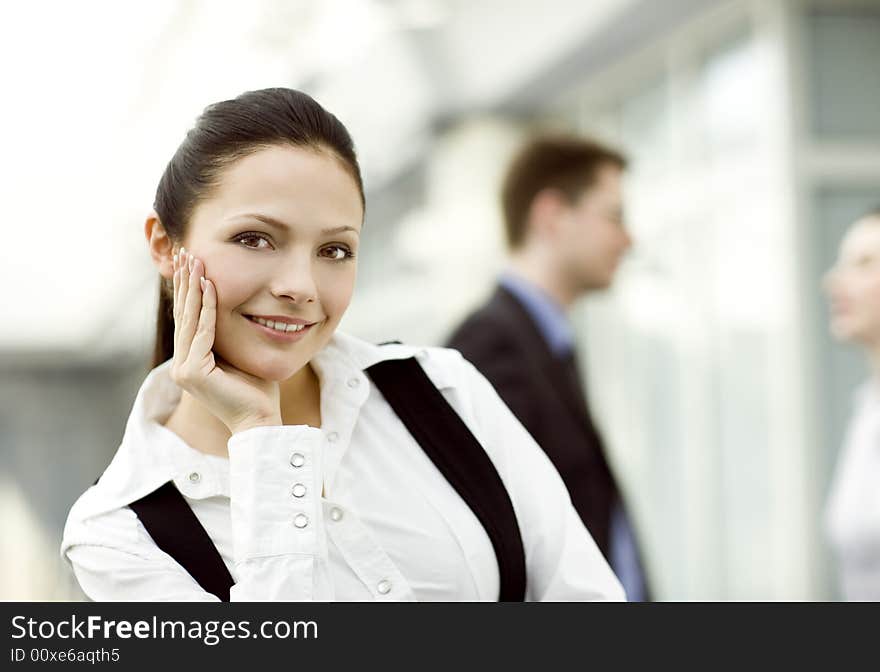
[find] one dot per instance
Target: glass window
(843, 71)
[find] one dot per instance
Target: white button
(354, 382)
(333, 437)
(336, 514)
(195, 477)
(301, 520)
(297, 460)
(298, 490)
(384, 587)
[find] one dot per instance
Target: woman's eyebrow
(340, 229)
(271, 221)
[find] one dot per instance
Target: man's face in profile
(592, 238)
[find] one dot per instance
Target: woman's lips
(282, 336)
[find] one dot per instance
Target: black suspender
(440, 432)
(176, 530)
(460, 458)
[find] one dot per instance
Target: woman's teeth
(278, 326)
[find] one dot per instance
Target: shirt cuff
(275, 490)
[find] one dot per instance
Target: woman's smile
(291, 332)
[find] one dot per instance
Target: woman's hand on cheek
(238, 399)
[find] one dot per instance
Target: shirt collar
(549, 316)
(151, 454)
(356, 354)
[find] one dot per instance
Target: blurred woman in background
(853, 509)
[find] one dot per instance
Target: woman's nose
(296, 283)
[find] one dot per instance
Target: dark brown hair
(564, 162)
(225, 132)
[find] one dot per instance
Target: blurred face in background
(591, 237)
(853, 285)
(278, 238)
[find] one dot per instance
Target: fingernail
(202, 282)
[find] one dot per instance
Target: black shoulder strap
(176, 530)
(458, 455)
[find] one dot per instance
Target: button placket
(349, 389)
(366, 558)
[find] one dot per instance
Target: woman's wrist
(245, 425)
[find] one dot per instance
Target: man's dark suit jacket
(504, 344)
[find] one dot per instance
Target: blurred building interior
(754, 135)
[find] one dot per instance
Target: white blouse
(389, 526)
(853, 511)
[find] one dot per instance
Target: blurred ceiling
(99, 94)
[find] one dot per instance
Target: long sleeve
(276, 523)
(277, 526)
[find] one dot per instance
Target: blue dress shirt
(552, 321)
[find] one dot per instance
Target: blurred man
(563, 216)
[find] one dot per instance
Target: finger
(204, 338)
(180, 299)
(191, 308)
(174, 293)
(175, 276)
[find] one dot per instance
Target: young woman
(267, 420)
(853, 512)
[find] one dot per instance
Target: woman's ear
(161, 246)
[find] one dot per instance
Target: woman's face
(853, 285)
(278, 238)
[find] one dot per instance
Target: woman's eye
(336, 252)
(254, 240)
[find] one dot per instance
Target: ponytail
(164, 347)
